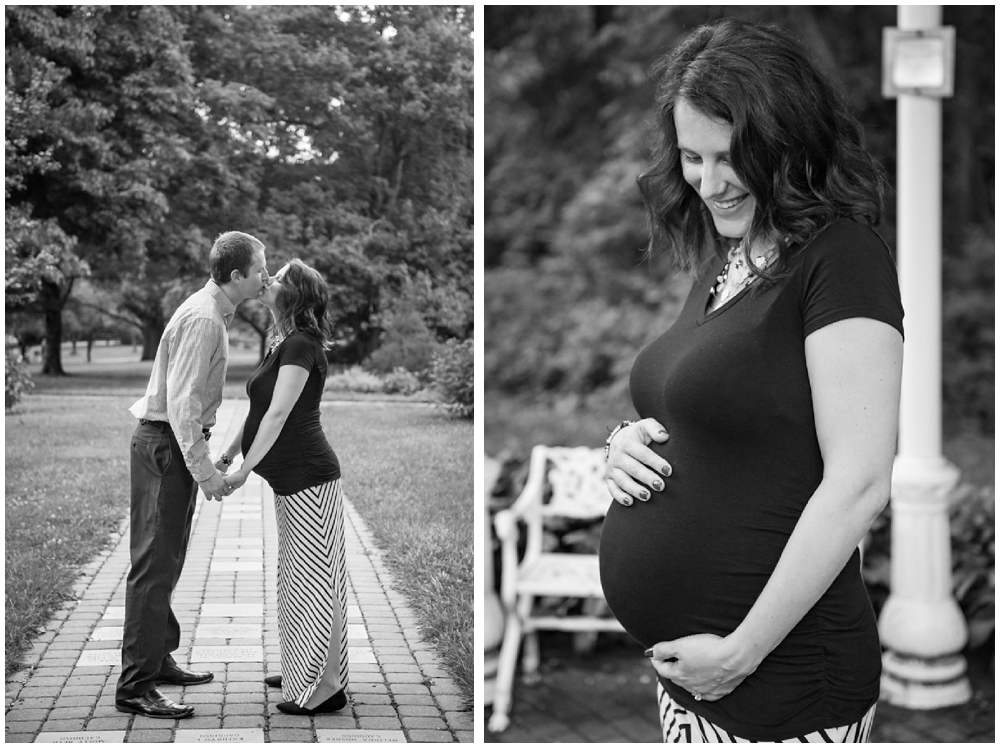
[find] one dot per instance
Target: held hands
(237, 479)
(631, 462)
(706, 665)
(215, 487)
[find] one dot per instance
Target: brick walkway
(226, 602)
(609, 696)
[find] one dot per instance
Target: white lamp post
(921, 625)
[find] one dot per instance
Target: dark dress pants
(163, 501)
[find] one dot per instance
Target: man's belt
(165, 425)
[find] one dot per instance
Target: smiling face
(704, 147)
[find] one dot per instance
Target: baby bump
(641, 563)
(672, 568)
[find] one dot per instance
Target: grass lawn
(117, 370)
(408, 470)
(66, 485)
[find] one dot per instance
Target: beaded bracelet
(612, 435)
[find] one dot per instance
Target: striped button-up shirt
(185, 387)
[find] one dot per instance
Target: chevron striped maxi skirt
(312, 594)
(681, 726)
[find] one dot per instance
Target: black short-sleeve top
(732, 388)
(301, 457)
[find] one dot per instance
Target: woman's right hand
(237, 479)
(631, 463)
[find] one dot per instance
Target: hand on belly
(707, 666)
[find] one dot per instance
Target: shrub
(17, 380)
(969, 371)
(973, 556)
(400, 381)
(355, 379)
(407, 343)
(454, 377)
(550, 332)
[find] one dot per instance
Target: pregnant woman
(768, 410)
(282, 440)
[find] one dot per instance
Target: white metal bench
(576, 476)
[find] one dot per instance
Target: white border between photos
(480, 514)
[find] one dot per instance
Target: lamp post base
(924, 683)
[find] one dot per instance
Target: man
(170, 460)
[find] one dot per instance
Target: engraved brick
(431, 736)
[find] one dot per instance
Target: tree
(116, 83)
(41, 268)
(341, 134)
(369, 133)
(89, 316)
(26, 328)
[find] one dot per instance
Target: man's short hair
(231, 251)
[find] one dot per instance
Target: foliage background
(341, 135)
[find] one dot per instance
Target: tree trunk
(258, 325)
(150, 313)
(90, 345)
(394, 193)
(51, 299)
(152, 331)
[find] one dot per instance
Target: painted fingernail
(649, 652)
(658, 485)
(627, 502)
(667, 470)
(644, 496)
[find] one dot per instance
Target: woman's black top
(301, 457)
(732, 389)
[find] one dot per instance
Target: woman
(779, 383)
(282, 440)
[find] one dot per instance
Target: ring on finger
(697, 697)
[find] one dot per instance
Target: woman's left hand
(708, 666)
(237, 479)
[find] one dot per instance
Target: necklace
(274, 344)
(736, 274)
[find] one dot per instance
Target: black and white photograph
(239, 335)
(739, 374)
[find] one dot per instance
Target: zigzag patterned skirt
(681, 726)
(312, 594)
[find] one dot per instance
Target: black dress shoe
(175, 675)
(154, 704)
(334, 703)
(273, 681)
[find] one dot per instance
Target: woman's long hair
(795, 145)
(301, 305)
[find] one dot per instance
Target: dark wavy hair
(795, 145)
(302, 302)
